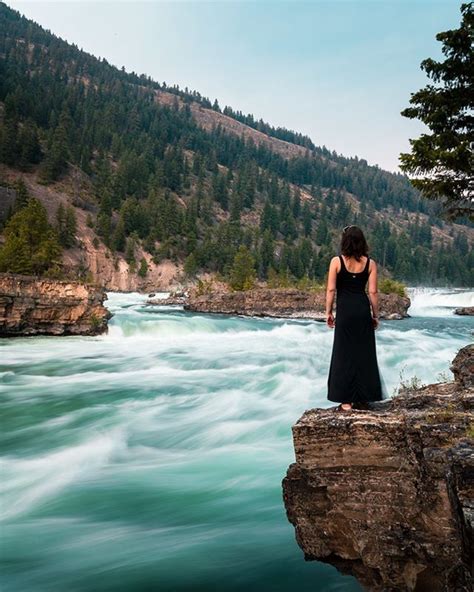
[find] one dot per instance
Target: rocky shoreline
(39, 306)
(387, 494)
(275, 302)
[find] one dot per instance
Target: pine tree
(66, 225)
(55, 163)
(143, 269)
(222, 193)
(443, 161)
(242, 274)
(190, 265)
(235, 206)
(31, 244)
(22, 195)
(297, 204)
(307, 219)
(9, 146)
(322, 232)
(130, 251)
(119, 237)
(104, 229)
(266, 253)
(28, 145)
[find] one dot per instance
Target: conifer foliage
(31, 243)
(205, 198)
(443, 160)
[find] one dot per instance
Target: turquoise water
(151, 458)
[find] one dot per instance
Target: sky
(339, 71)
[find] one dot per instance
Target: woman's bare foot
(343, 407)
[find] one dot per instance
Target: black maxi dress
(354, 375)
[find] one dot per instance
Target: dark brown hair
(353, 243)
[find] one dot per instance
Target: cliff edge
(38, 306)
(387, 494)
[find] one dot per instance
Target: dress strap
(343, 266)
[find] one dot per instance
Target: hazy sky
(338, 71)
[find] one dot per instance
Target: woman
(354, 378)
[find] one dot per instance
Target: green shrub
(143, 269)
(283, 279)
(389, 286)
(204, 287)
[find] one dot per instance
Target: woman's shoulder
(335, 262)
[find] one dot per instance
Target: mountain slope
(159, 178)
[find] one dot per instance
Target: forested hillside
(149, 174)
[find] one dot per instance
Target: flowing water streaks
(152, 457)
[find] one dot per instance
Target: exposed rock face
(32, 306)
(464, 310)
(463, 366)
(388, 494)
(288, 302)
(393, 307)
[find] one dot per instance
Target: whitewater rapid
(152, 457)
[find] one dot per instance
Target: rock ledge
(284, 302)
(387, 495)
(35, 306)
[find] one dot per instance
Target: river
(151, 458)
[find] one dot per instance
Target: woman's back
(352, 281)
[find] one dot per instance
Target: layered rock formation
(387, 495)
(32, 306)
(288, 302)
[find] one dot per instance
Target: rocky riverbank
(387, 495)
(32, 306)
(276, 302)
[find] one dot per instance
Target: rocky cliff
(387, 494)
(32, 306)
(288, 302)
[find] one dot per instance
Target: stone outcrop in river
(284, 302)
(32, 306)
(464, 310)
(387, 494)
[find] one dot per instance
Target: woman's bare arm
(373, 290)
(331, 285)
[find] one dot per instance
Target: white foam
(438, 301)
(29, 482)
